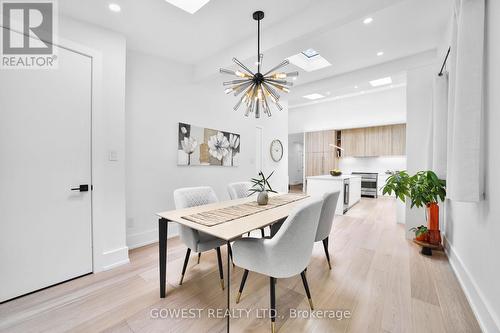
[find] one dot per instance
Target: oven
(369, 184)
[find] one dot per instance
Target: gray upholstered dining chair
(286, 254)
(240, 190)
(194, 240)
(326, 221)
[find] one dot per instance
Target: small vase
(263, 198)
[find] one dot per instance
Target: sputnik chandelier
(257, 87)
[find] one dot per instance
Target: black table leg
(228, 286)
(162, 248)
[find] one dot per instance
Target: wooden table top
(235, 228)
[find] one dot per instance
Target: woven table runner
(222, 215)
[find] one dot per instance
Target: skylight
(190, 6)
(309, 60)
(381, 82)
(310, 53)
(313, 96)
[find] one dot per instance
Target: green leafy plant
(426, 188)
(399, 184)
(261, 185)
(422, 188)
(419, 231)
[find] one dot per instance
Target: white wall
(296, 158)
(472, 230)
(372, 164)
(159, 95)
(108, 133)
(419, 112)
(371, 109)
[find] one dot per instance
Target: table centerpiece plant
(261, 185)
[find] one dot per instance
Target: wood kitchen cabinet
(374, 141)
(378, 141)
(353, 142)
(320, 157)
(398, 139)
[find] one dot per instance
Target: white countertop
(329, 177)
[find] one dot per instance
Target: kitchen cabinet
(353, 142)
(317, 186)
(320, 157)
(374, 141)
(378, 141)
(354, 190)
(398, 139)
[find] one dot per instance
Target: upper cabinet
(398, 139)
(374, 141)
(353, 142)
(378, 141)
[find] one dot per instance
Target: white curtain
(440, 126)
(465, 159)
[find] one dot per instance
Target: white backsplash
(372, 164)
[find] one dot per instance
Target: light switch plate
(113, 155)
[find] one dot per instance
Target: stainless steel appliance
(369, 184)
(346, 195)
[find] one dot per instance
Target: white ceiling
(159, 28)
(223, 29)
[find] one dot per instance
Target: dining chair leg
(230, 252)
(273, 304)
(221, 273)
(186, 259)
(325, 246)
(199, 256)
(262, 234)
(242, 285)
(306, 287)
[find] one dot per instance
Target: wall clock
(276, 150)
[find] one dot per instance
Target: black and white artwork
(206, 146)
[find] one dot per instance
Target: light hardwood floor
(377, 275)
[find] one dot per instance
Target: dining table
(245, 219)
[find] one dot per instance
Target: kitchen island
(349, 187)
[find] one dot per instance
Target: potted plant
(261, 185)
(421, 233)
(424, 189)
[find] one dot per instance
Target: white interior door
(45, 151)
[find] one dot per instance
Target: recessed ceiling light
(368, 20)
(114, 7)
(380, 53)
(355, 87)
(381, 82)
(313, 96)
(190, 6)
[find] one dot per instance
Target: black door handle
(81, 188)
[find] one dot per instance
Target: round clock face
(276, 150)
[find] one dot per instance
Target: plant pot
(263, 198)
(433, 223)
(422, 237)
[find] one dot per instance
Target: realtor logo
(28, 34)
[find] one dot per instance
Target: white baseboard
(115, 258)
(143, 238)
(481, 308)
